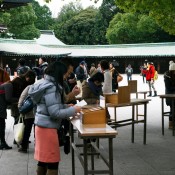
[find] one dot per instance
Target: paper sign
(81, 103)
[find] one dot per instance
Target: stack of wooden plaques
(123, 96)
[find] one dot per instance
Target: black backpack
(22, 70)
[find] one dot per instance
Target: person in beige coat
(92, 89)
(28, 122)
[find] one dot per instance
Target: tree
(162, 11)
(67, 12)
(80, 28)
(135, 28)
(44, 19)
(21, 23)
(122, 29)
(76, 26)
(106, 12)
(4, 21)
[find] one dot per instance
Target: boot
(155, 94)
(41, 170)
(150, 94)
(170, 125)
(52, 172)
(22, 150)
(4, 146)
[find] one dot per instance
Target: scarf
(96, 90)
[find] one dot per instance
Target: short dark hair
(67, 61)
(44, 59)
(22, 61)
(31, 75)
(104, 64)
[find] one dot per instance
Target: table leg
(173, 118)
(85, 157)
(72, 149)
(92, 158)
(162, 116)
(133, 115)
(145, 121)
(115, 114)
(137, 109)
(111, 156)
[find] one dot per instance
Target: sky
(56, 5)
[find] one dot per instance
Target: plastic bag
(19, 130)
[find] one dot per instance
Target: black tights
(51, 166)
(2, 129)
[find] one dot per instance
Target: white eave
(28, 47)
(122, 50)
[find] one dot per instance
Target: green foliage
(135, 28)
(162, 11)
(4, 18)
(79, 29)
(68, 11)
(96, 23)
(82, 27)
(44, 19)
(22, 23)
(106, 12)
(122, 29)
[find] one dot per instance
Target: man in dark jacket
(6, 91)
(22, 68)
(169, 79)
(41, 68)
(81, 75)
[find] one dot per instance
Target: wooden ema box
(123, 96)
(133, 86)
(93, 115)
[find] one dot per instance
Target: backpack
(22, 70)
(155, 75)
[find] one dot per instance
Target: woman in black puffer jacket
(6, 91)
(169, 79)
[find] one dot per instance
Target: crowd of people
(53, 88)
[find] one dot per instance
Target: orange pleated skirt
(46, 145)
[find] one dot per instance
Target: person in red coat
(149, 72)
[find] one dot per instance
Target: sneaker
(22, 150)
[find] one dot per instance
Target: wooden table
(86, 133)
(164, 113)
(131, 121)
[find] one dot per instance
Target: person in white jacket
(107, 85)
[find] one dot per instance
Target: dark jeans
(27, 131)
(129, 77)
(2, 129)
